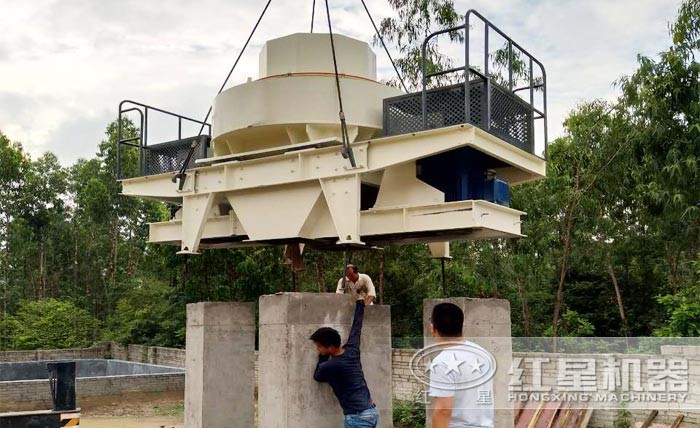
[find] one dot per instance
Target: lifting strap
(313, 15)
(381, 39)
(347, 150)
(181, 175)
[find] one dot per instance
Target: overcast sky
(66, 64)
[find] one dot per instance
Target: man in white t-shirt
(357, 284)
(460, 397)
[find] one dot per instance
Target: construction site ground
(134, 410)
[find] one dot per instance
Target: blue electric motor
(462, 174)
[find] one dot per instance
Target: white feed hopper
(295, 100)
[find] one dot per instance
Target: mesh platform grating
(511, 118)
(167, 157)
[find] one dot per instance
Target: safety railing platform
(161, 157)
(482, 97)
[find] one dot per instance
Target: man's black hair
(352, 267)
(448, 318)
(326, 336)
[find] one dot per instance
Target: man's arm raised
(356, 329)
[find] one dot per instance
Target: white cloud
(65, 64)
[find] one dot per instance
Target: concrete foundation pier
(220, 366)
(288, 396)
(486, 323)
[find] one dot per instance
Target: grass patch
(174, 410)
(409, 414)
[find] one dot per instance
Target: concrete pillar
(486, 323)
(220, 365)
(288, 396)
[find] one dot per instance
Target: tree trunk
(562, 275)
(206, 281)
(4, 283)
(525, 307)
(672, 262)
(115, 240)
(114, 234)
(131, 258)
(183, 277)
(76, 265)
(319, 276)
(42, 274)
(91, 275)
(53, 285)
(86, 281)
(618, 295)
(565, 258)
(229, 279)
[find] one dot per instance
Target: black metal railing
(481, 98)
(163, 156)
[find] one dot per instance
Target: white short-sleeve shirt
(363, 287)
(454, 367)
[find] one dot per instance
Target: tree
(109, 231)
(48, 324)
(663, 97)
(12, 165)
(13, 162)
(415, 21)
(147, 315)
(682, 310)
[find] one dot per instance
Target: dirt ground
(131, 422)
(135, 410)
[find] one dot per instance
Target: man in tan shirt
(357, 284)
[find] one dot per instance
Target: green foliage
(572, 324)
(48, 324)
(409, 414)
(623, 419)
(682, 311)
(146, 315)
(683, 316)
(46, 177)
(13, 163)
(664, 98)
(414, 22)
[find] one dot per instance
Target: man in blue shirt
(342, 369)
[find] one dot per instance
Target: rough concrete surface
(288, 395)
(220, 367)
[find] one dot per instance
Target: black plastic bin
(62, 382)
